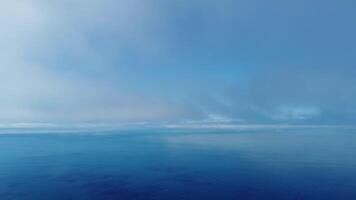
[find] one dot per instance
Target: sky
(186, 61)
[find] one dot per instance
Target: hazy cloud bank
(226, 62)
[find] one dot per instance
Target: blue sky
(246, 61)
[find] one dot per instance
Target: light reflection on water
(289, 164)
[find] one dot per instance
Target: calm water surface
(154, 164)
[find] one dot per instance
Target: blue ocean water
(284, 164)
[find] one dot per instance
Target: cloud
(51, 70)
(202, 61)
(302, 95)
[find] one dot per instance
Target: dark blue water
(286, 164)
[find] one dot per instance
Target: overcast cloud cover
(228, 61)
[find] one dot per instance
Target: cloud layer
(158, 61)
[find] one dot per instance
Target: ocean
(262, 164)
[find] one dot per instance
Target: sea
(179, 164)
